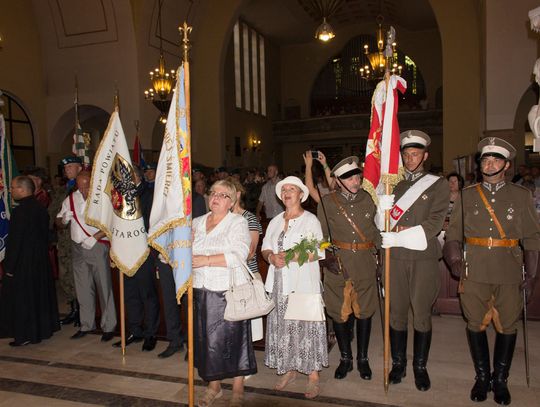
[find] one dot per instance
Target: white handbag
(305, 306)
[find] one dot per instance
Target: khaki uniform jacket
(515, 211)
(360, 264)
(429, 211)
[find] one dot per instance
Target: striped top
(253, 225)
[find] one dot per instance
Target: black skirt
(223, 349)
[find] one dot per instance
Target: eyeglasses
(219, 195)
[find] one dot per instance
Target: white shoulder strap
(410, 197)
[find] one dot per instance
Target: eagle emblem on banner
(122, 190)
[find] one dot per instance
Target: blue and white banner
(170, 219)
(8, 171)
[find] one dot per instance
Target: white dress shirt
(79, 204)
(229, 237)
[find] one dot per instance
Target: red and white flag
(383, 160)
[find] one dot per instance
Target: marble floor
(87, 372)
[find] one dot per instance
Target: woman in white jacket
(293, 346)
(223, 349)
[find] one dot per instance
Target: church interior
(263, 91)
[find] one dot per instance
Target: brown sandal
(285, 380)
(209, 397)
(312, 389)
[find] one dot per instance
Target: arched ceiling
(295, 21)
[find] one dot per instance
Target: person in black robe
(28, 307)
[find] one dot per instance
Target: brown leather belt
(353, 246)
(401, 228)
(490, 242)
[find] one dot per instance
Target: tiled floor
(64, 372)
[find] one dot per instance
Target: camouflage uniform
(63, 245)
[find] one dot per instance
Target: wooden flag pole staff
(388, 191)
(121, 275)
(386, 296)
(185, 30)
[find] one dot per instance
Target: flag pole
(76, 103)
(186, 30)
(121, 274)
(386, 296)
(388, 191)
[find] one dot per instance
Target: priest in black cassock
(28, 307)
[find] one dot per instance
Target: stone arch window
(19, 131)
(339, 89)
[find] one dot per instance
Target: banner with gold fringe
(113, 205)
(383, 160)
(170, 219)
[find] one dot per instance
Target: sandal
(237, 400)
(285, 380)
(209, 397)
(312, 389)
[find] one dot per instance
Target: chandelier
(162, 81)
(385, 58)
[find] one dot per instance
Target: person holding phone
(326, 185)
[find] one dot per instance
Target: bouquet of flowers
(301, 250)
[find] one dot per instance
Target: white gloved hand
(413, 238)
(386, 202)
(89, 242)
(67, 217)
(162, 259)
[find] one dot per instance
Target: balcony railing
(334, 126)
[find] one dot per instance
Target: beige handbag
(248, 300)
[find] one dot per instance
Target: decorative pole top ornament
(185, 30)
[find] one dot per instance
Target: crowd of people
(431, 217)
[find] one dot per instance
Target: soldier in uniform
(72, 166)
(498, 217)
(347, 217)
(417, 218)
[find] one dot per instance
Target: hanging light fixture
(384, 58)
(162, 81)
(324, 32)
(323, 9)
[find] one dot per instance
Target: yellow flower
(324, 245)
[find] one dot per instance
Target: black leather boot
(478, 344)
(398, 345)
(344, 343)
(70, 317)
(363, 331)
(502, 359)
(422, 343)
(77, 320)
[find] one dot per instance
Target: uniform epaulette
(471, 186)
(519, 186)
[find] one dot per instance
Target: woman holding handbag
(255, 230)
(223, 349)
(293, 346)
